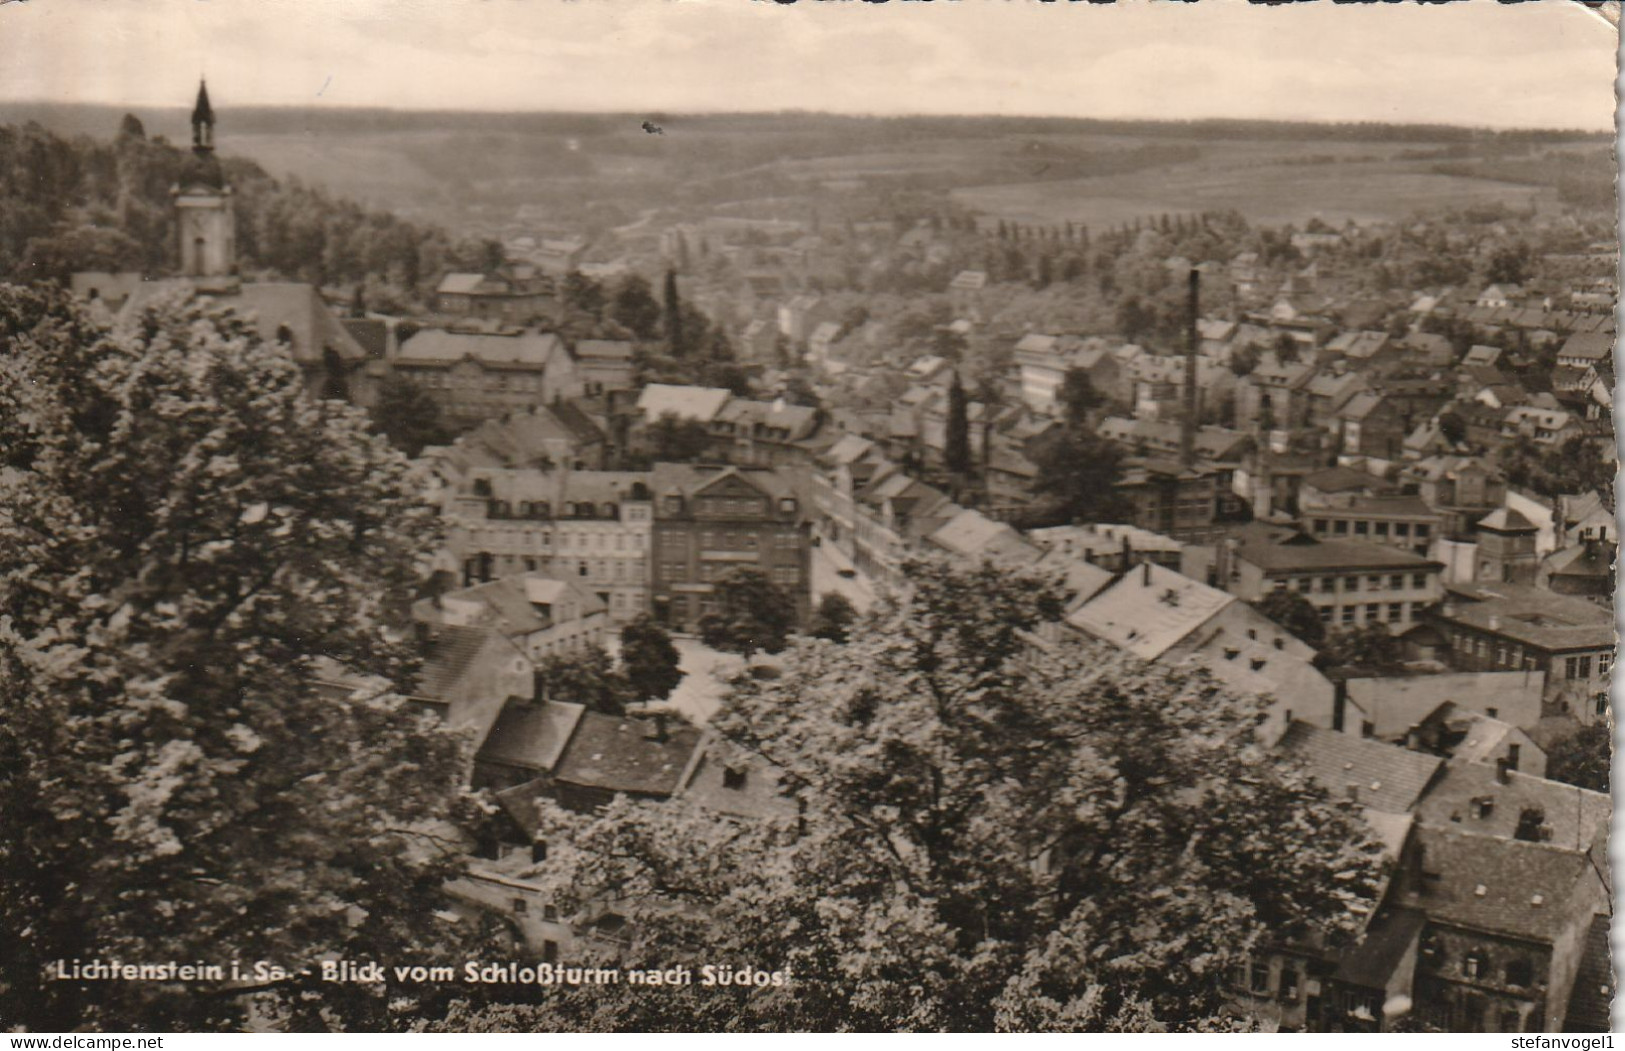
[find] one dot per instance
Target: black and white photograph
(746, 516)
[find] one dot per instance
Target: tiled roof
(442, 346)
(972, 533)
(1149, 610)
(533, 736)
(625, 755)
(752, 790)
(687, 403)
(1530, 615)
(1574, 815)
(1384, 777)
(1487, 883)
(1591, 1001)
(1593, 346)
(1285, 550)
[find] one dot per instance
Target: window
(1473, 963)
(1419, 580)
(1373, 613)
(1328, 585)
(550, 952)
(1397, 581)
(1351, 583)
(519, 906)
(1396, 612)
(1577, 668)
(1258, 978)
(1603, 660)
(1373, 583)
(733, 777)
(550, 913)
(1347, 616)
(1421, 531)
(1362, 528)
(1402, 529)
(538, 851)
(1289, 984)
(1340, 528)
(1380, 528)
(1320, 526)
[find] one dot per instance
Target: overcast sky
(1544, 64)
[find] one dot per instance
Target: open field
(1271, 194)
(599, 171)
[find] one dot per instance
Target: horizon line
(669, 114)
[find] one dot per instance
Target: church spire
(202, 121)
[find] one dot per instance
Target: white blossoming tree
(182, 533)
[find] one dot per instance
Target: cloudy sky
(1546, 64)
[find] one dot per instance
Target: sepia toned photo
(746, 516)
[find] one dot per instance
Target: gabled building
(474, 376)
(709, 520)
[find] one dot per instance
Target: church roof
(202, 113)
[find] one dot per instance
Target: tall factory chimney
(1187, 426)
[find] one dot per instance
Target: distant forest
(79, 203)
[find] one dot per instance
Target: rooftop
(627, 755)
(1276, 549)
(1149, 610)
(1504, 886)
(1382, 777)
(1530, 615)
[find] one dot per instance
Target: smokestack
(1187, 429)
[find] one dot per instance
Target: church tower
(204, 217)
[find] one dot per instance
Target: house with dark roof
(608, 756)
(1506, 923)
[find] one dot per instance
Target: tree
(1078, 398)
(1368, 646)
(755, 614)
(672, 312)
(586, 677)
(1077, 480)
(649, 659)
(129, 127)
(1294, 613)
(833, 618)
(582, 294)
(1452, 427)
(1583, 758)
(408, 416)
(1243, 359)
(956, 440)
(979, 833)
(633, 306)
(183, 535)
(672, 439)
(1286, 349)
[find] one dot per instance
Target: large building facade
(709, 521)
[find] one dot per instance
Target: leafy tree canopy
(183, 535)
(755, 615)
(978, 833)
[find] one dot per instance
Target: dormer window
(733, 777)
(787, 505)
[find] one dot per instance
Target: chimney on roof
(1128, 552)
(659, 733)
(1502, 765)
(1145, 574)
(1187, 426)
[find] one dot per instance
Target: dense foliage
(83, 204)
(184, 535)
(977, 834)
